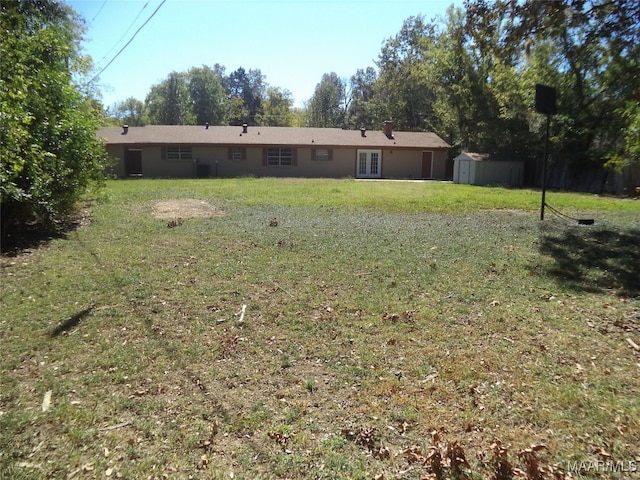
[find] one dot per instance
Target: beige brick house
(226, 151)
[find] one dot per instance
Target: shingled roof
(268, 136)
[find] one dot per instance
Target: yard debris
(113, 427)
(46, 401)
(531, 461)
(406, 316)
(241, 319)
(273, 222)
(368, 437)
(208, 443)
(413, 454)
(281, 439)
(633, 344)
(502, 467)
(434, 462)
(457, 460)
(175, 223)
(382, 453)
(447, 459)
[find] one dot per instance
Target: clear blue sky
(292, 42)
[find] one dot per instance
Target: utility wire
(125, 32)
(126, 44)
(99, 10)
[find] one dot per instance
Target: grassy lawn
(327, 329)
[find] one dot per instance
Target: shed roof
(268, 136)
(485, 157)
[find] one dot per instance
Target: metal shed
(486, 169)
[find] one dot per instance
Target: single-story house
(486, 169)
(229, 151)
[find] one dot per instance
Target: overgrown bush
(48, 120)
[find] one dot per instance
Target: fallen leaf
(382, 453)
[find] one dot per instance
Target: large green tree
(49, 151)
(403, 91)
(208, 98)
(169, 102)
(248, 90)
(327, 106)
(589, 51)
(277, 108)
(361, 112)
(128, 112)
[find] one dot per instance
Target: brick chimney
(388, 129)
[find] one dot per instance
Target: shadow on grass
(24, 238)
(593, 259)
(70, 322)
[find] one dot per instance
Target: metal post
(544, 169)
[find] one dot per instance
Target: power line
(99, 10)
(126, 44)
(126, 31)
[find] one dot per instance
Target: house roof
(268, 136)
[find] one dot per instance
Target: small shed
(486, 169)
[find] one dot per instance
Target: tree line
(208, 95)
(469, 76)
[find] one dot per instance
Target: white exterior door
(369, 164)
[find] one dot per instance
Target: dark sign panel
(545, 99)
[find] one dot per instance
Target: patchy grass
(325, 329)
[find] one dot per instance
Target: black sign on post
(545, 99)
(546, 104)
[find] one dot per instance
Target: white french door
(369, 164)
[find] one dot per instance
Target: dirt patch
(185, 208)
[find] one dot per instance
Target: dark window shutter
(230, 153)
(264, 157)
(294, 157)
(313, 154)
(243, 154)
(330, 154)
(163, 153)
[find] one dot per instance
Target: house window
(179, 154)
(321, 154)
(375, 161)
(237, 153)
(279, 157)
(362, 164)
